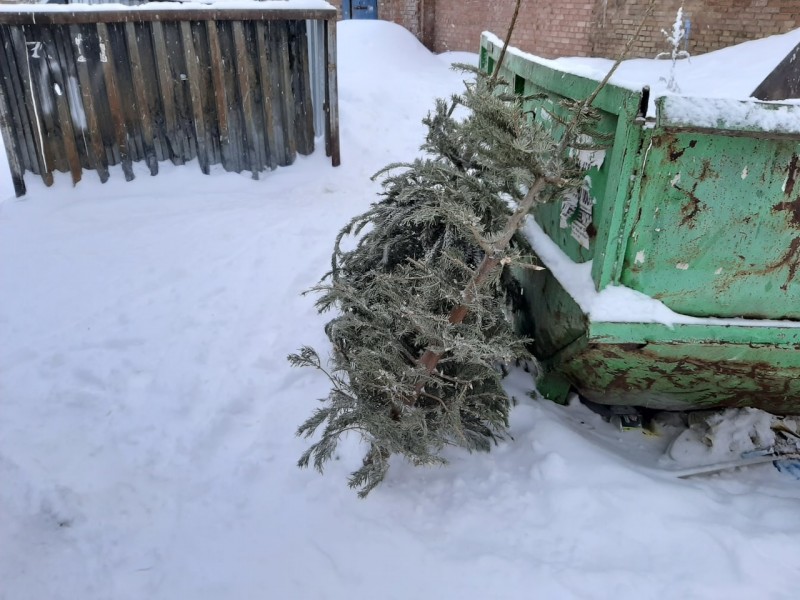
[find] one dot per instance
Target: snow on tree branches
(674, 39)
(422, 299)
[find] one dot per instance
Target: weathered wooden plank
(220, 95)
(96, 64)
(140, 95)
(31, 102)
(236, 125)
(260, 131)
(262, 51)
(67, 62)
(301, 88)
(15, 95)
(331, 95)
(203, 56)
(63, 15)
(124, 78)
(166, 86)
(44, 93)
(193, 73)
(183, 102)
(39, 61)
(287, 95)
(243, 69)
(283, 88)
(114, 101)
(273, 62)
(65, 133)
(10, 141)
(95, 148)
(151, 89)
(7, 132)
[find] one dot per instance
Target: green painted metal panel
(697, 208)
(554, 320)
(615, 229)
(571, 221)
(683, 374)
(717, 231)
(607, 190)
(786, 337)
(612, 98)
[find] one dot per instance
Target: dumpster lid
(726, 114)
(730, 73)
(784, 81)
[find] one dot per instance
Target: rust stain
(790, 178)
(675, 152)
(632, 346)
(723, 284)
(790, 259)
(755, 383)
(706, 171)
(792, 207)
(620, 380)
(691, 208)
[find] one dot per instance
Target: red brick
(589, 27)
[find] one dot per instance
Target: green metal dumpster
(693, 213)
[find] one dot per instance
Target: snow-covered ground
(147, 412)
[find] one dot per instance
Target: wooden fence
(85, 89)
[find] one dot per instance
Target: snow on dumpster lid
(261, 5)
(730, 73)
(591, 68)
(728, 114)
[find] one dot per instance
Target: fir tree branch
(422, 298)
(430, 358)
(507, 41)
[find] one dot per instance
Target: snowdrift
(147, 412)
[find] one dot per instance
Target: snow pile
(147, 411)
(732, 72)
(725, 113)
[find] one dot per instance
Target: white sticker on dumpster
(568, 207)
(576, 213)
(589, 158)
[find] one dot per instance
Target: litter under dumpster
(672, 278)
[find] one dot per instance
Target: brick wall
(554, 28)
(545, 27)
(714, 23)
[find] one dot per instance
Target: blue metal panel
(360, 9)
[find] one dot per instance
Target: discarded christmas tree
(422, 299)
